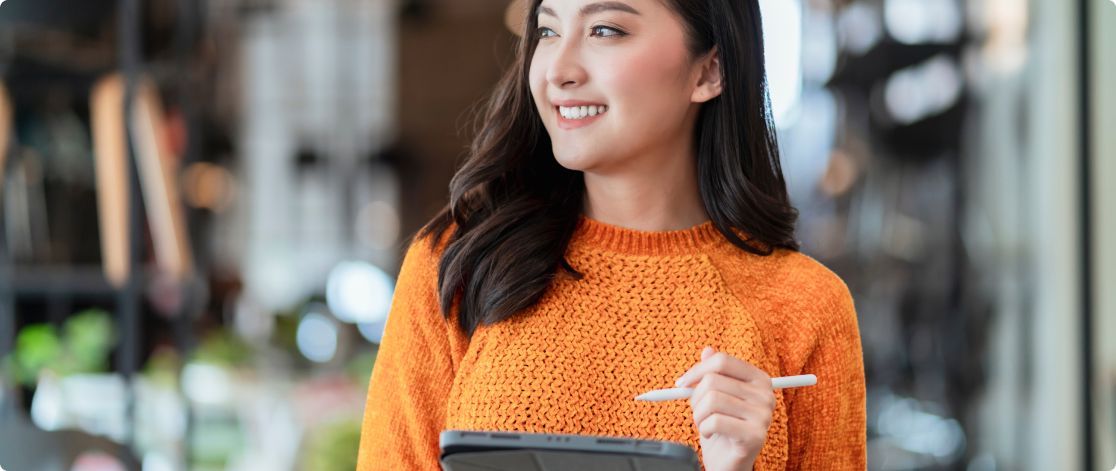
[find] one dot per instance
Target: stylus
(684, 393)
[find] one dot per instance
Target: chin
(577, 161)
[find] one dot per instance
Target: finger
(727, 365)
(707, 352)
(748, 392)
(719, 382)
(732, 427)
(717, 402)
(713, 361)
(717, 394)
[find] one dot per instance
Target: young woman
(622, 223)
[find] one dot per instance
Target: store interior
(204, 205)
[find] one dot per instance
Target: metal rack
(60, 281)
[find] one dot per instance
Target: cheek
(647, 82)
(536, 78)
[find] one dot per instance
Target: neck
(660, 196)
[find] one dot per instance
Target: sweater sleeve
(413, 372)
(827, 422)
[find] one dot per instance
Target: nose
(565, 69)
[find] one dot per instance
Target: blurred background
(200, 279)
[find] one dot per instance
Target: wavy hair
(513, 208)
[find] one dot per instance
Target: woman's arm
(827, 422)
(414, 370)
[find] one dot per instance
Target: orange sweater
(573, 362)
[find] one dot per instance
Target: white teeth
(580, 112)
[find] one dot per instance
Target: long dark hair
(513, 208)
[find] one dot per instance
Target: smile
(581, 112)
(571, 117)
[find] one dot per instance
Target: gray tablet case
(464, 450)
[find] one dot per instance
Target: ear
(709, 78)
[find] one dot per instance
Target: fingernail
(678, 382)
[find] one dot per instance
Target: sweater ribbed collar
(594, 234)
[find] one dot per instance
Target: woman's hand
(732, 402)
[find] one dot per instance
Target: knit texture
(572, 363)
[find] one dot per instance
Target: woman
(622, 207)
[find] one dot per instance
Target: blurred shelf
(59, 280)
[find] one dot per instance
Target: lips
(576, 103)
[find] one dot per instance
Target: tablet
(467, 450)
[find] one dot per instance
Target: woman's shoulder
(782, 267)
(806, 272)
(796, 282)
(824, 285)
(423, 253)
(430, 241)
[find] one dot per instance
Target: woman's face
(613, 80)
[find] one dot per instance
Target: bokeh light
(359, 292)
(317, 337)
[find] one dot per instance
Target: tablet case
(464, 450)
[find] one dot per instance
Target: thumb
(707, 352)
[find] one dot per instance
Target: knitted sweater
(572, 363)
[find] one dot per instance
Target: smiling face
(614, 82)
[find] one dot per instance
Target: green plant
(83, 346)
(333, 447)
(222, 347)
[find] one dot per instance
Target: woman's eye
(606, 31)
(545, 32)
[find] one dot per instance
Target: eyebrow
(594, 8)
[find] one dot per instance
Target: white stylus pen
(684, 393)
